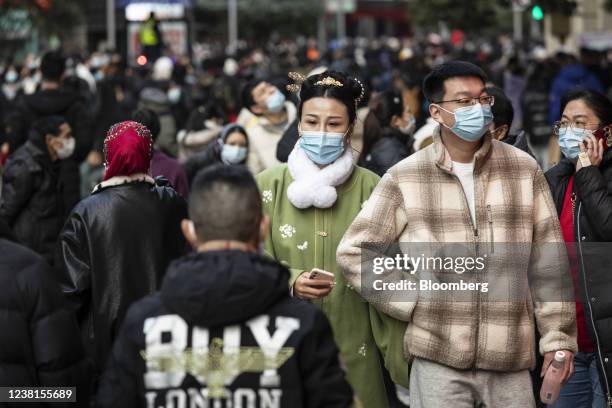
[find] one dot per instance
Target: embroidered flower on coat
(363, 350)
(266, 196)
(303, 247)
(287, 231)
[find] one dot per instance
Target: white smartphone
(321, 275)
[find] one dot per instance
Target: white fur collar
(118, 180)
(314, 186)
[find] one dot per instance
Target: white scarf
(118, 180)
(314, 186)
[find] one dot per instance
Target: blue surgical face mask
(275, 102)
(322, 147)
(570, 139)
(233, 154)
(471, 122)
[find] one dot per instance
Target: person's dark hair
(232, 128)
(386, 105)
(47, 125)
(52, 66)
(503, 112)
(225, 204)
(350, 93)
(247, 93)
(433, 84)
(150, 119)
(202, 113)
(599, 103)
(382, 109)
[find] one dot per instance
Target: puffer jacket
(227, 319)
(36, 199)
(39, 339)
(593, 236)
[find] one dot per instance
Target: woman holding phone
(311, 201)
(581, 185)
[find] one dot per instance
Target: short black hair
(349, 94)
(148, 118)
(52, 66)
(598, 102)
(49, 125)
(503, 112)
(225, 204)
(46, 125)
(247, 93)
(433, 84)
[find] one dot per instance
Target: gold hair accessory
(329, 81)
(298, 80)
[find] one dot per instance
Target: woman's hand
(306, 288)
(595, 150)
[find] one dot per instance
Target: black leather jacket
(114, 249)
(593, 236)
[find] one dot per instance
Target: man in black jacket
(50, 100)
(39, 340)
(224, 328)
(35, 199)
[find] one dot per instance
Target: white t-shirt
(465, 174)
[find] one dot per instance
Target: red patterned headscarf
(128, 149)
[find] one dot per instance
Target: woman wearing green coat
(311, 202)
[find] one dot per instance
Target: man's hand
(306, 288)
(568, 369)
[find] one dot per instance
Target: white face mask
(174, 95)
(409, 129)
(67, 148)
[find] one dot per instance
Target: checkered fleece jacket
(420, 200)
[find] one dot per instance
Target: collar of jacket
(443, 158)
(120, 180)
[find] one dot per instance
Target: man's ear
(436, 113)
(189, 233)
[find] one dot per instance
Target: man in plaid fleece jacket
(468, 188)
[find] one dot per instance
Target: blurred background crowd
(189, 62)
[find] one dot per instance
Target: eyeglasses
(564, 124)
(483, 100)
